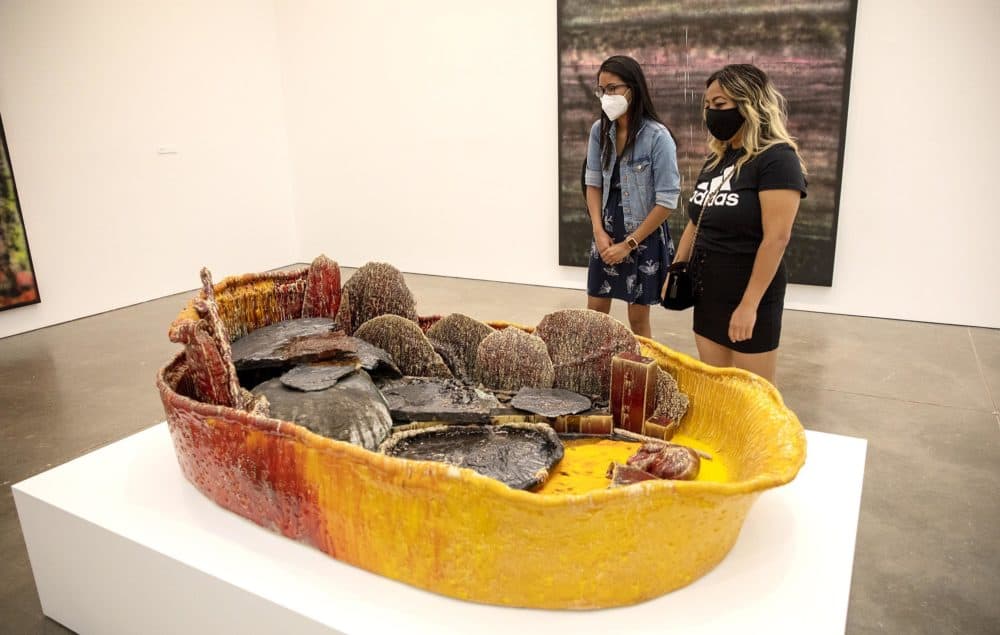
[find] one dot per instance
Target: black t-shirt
(732, 223)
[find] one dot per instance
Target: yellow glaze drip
(585, 464)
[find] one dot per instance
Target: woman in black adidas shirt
(737, 267)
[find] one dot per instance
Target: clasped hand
(611, 253)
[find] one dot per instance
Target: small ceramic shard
(660, 428)
(352, 410)
(550, 402)
(436, 399)
(318, 375)
(246, 400)
(510, 359)
(425, 322)
(317, 347)
(667, 461)
(633, 390)
(403, 340)
(456, 338)
(621, 474)
(322, 293)
(581, 344)
(260, 406)
(519, 455)
(378, 288)
(291, 342)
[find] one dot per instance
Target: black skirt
(720, 280)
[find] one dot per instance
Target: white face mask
(614, 106)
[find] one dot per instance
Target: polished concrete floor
(924, 395)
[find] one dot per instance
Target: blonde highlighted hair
(761, 105)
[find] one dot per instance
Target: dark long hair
(640, 107)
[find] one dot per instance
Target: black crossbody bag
(678, 292)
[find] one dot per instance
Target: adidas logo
(725, 195)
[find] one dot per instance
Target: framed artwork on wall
(804, 45)
(18, 286)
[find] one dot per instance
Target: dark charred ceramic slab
(374, 359)
(435, 399)
(352, 410)
(550, 402)
(291, 342)
(318, 375)
(518, 456)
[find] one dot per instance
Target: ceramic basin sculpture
(453, 531)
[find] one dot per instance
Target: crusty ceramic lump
(581, 344)
(510, 359)
(406, 343)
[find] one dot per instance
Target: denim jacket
(649, 175)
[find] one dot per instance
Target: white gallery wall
(424, 134)
(140, 133)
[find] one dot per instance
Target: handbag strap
(709, 198)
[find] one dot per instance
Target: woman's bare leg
(599, 304)
(638, 319)
(763, 364)
(713, 354)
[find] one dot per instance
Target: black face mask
(723, 124)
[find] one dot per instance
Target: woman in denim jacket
(632, 184)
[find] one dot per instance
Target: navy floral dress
(638, 278)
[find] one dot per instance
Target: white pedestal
(120, 542)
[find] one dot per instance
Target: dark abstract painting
(805, 46)
(17, 275)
